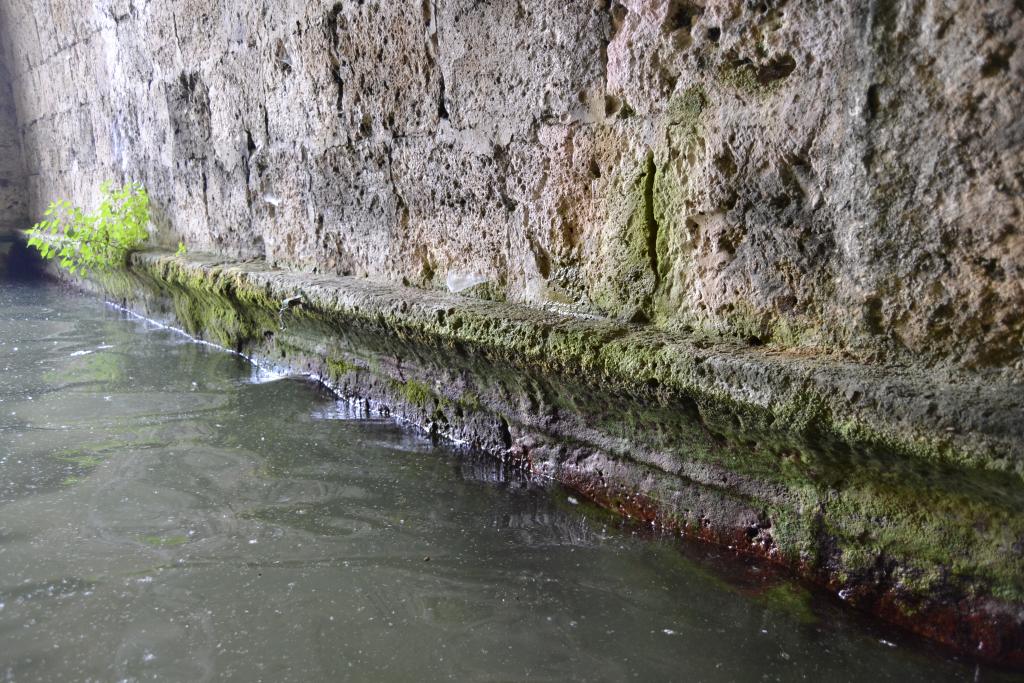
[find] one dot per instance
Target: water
(168, 512)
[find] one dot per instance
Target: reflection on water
(167, 511)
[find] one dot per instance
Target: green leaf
(98, 240)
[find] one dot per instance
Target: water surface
(169, 512)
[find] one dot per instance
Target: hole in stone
(776, 69)
(872, 102)
(503, 433)
(619, 13)
(542, 261)
(284, 60)
(714, 33)
(612, 105)
(681, 15)
(442, 107)
(996, 62)
(944, 27)
(726, 163)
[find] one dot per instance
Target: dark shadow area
(18, 261)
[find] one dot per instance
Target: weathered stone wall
(843, 174)
(13, 204)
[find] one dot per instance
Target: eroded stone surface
(13, 200)
(843, 175)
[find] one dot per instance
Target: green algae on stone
(686, 109)
(744, 77)
(670, 197)
(339, 367)
(416, 393)
(625, 284)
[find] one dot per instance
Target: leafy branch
(94, 241)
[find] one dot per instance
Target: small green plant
(181, 249)
(94, 241)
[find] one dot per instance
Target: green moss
(214, 304)
(415, 393)
(339, 367)
(934, 536)
(847, 483)
(628, 277)
(938, 450)
(746, 322)
(487, 291)
(671, 198)
(743, 77)
(793, 530)
(117, 283)
(685, 110)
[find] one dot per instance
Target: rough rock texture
(13, 204)
(799, 224)
(839, 175)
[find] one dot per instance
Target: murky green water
(168, 513)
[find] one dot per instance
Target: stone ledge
(899, 487)
(953, 418)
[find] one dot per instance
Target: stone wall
(13, 204)
(842, 175)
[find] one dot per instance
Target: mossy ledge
(901, 489)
